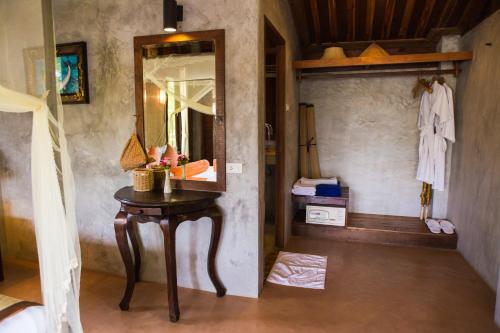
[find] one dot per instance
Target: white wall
(367, 136)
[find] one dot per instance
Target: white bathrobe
(436, 124)
(425, 171)
(445, 130)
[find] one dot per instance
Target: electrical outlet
(234, 168)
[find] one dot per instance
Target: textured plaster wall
(367, 135)
(97, 133)
(17, 33)
(475, 180)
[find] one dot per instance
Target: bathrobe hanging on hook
(445, 130)
(436, 125)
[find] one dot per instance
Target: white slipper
(433, 226)
(447, 226)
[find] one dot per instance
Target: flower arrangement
(182, 159)
(166, 163)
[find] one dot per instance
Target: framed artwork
(71, 73)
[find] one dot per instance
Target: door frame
(279, 50)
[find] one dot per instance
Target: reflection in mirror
(180, 106)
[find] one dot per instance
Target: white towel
(310, 191)
(299, 270)
(313, 182)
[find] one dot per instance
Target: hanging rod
(378, 73)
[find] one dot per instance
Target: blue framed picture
(71, 73)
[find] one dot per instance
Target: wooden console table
(169, 211)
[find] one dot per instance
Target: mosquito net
(28, 85)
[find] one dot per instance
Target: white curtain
(55, 220)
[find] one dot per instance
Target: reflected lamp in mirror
(180, 103)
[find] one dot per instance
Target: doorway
(275, 57)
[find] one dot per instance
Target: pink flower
(166, 162)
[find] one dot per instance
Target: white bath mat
(299, 270)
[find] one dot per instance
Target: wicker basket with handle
(143, 180)
(133, 155)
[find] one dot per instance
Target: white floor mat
(299, 270)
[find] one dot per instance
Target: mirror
(179, 82)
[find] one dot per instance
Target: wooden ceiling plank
(332, 17)
(298, 8)
(370, 14)
(316, 22)
(408, 12)
(471, 14)
(424, 18)
(446, 13)
(390, 5)
(351, 20)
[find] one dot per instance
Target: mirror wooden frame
(218, 37)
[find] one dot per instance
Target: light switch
(234, 168)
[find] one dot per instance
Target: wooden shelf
(377, 229)
(389, 60)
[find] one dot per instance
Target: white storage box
(326, 215)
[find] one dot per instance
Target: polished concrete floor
(369, 288)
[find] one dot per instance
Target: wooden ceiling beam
(425, 17)
(370, 14)
(405, 22)
(446, 13)
(351, 20)
(332, 17)
(390, 5)
(471, 14)
(316, 22)
(298, 8)
(435, 34)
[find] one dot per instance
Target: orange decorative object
(171, 154)
(193, 168)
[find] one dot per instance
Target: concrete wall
(97, 133)
(475, 179)
(367, 135)
(16, 211)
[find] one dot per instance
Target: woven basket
(143, 180)
(133, 155)
(159, 177)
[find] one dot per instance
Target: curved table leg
(135, 246)
(216, 217)
(168, 226)
(121, 239)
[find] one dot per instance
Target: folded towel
(326, 190)
(308, 182)
(309, 191)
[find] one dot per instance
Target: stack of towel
(328, 190)
(306, 186)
